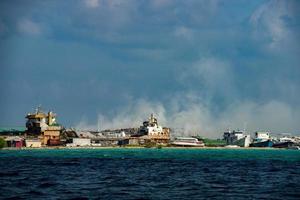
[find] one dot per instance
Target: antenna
(38, 109)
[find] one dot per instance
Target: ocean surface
(123, 173)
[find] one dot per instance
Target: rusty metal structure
(152, 132)
(44, 127)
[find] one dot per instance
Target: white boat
(262, 139)
(237, 138)
(187, 141)
(232, 146)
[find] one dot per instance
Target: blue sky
(201, 66)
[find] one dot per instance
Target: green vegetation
(150, 144)
(2, 143)
(212, 142)
(55, 124)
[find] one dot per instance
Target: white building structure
(80, 142)
(33, 143)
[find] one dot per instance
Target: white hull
(232, 146)
(244, 142)
(188, 144)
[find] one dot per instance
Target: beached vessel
(284, 142)
(187, 141)
(152, 132)
(43, 126)
(238, 138)
(262, 139)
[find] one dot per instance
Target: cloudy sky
(200, 66)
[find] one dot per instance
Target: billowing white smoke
(130, 116)
(192, 113)
(197, 119)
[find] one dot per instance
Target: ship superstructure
(39, 121)
(262, 139)
(238, 138)
(43, 126)
(187, 142)
(153, 132)
(285, 142)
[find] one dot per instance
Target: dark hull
(283, 144)
(262, 144)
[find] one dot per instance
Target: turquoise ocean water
(123, 173)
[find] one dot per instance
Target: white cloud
(92, 3)
(29, 27)
(268, 20)
(213, 75)
(214, 72)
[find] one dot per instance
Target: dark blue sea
(123, 173)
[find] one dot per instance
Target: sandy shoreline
(99, 148)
